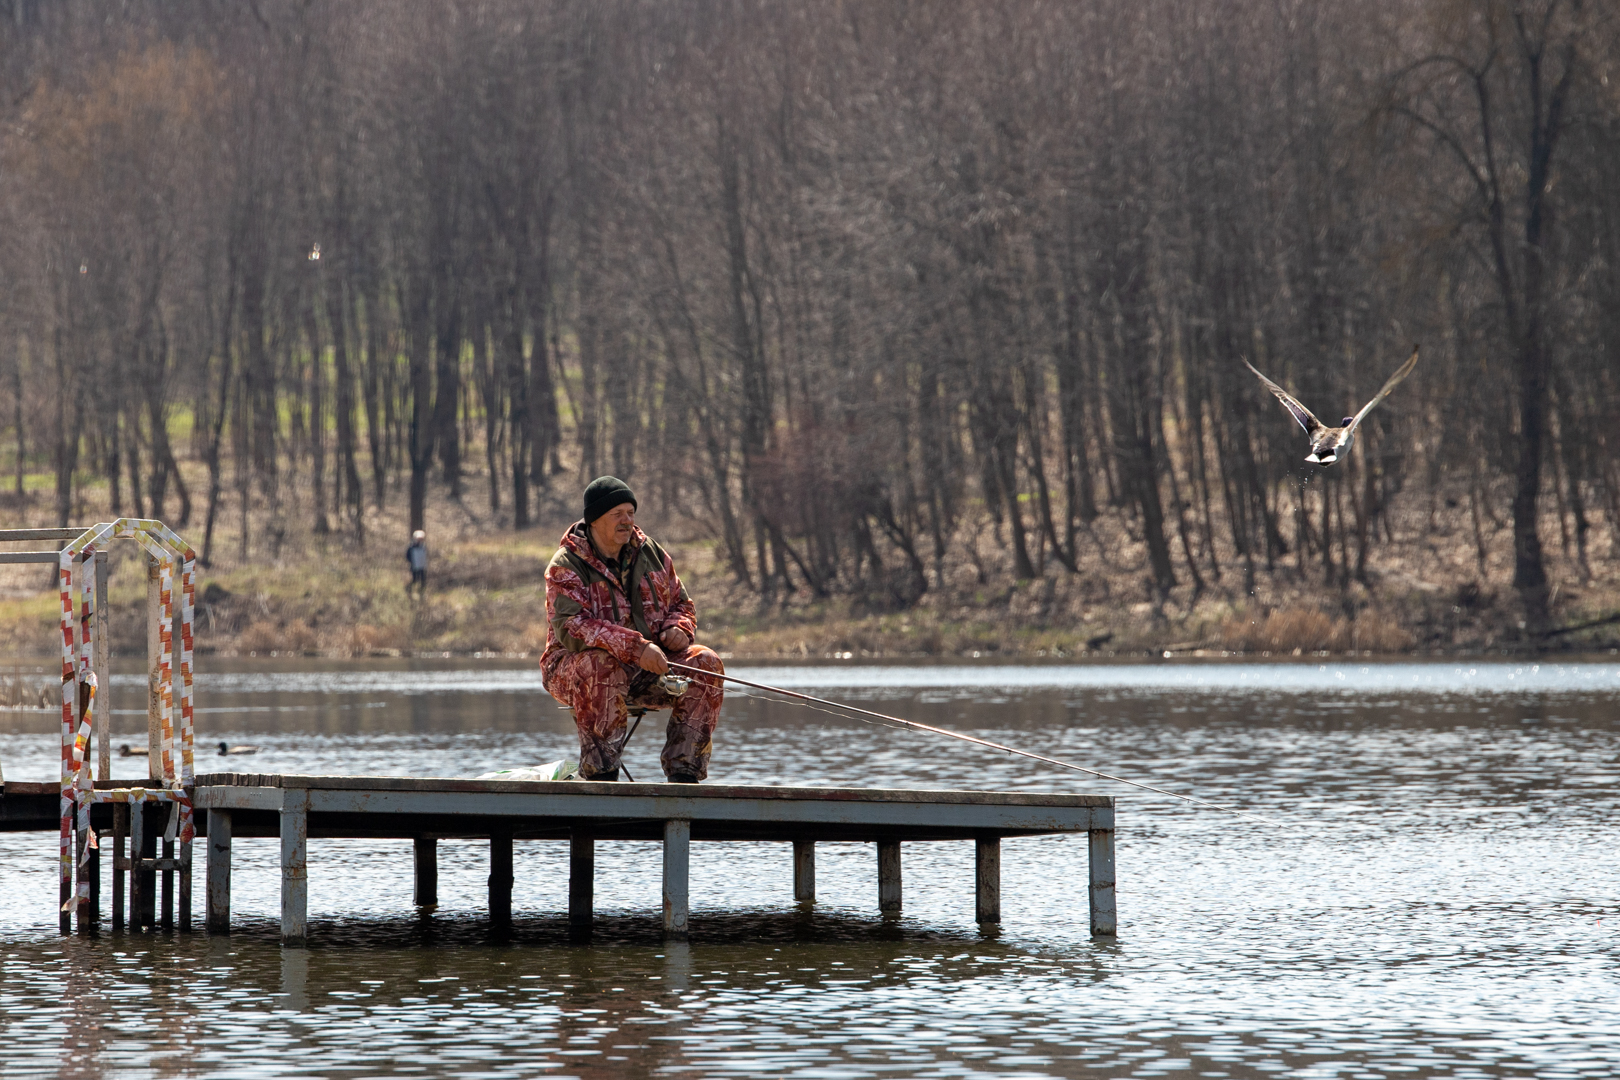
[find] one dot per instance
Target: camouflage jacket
(587, 607)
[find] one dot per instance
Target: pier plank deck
(298, 809)
(387, 806)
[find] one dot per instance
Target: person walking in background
(416, 556)
(617, 615)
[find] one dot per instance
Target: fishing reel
(673, 685)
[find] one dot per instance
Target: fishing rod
(914, 725)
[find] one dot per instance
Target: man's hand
(675, 640)
(654, 660)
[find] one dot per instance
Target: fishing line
(823, 712)
(883, 719)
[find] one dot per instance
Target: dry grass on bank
(1302, 630)
(296, 592)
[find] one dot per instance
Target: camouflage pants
(601, 690)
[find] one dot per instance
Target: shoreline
(322, 597)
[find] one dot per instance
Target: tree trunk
(215, 439)
(259, 378)
(514, 373)
(67, 436)
(353, 497)
(422, 425)
(541, 418)
(317, 417)
(447, 388)
(371, 389)
(22, 447)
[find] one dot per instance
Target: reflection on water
(1328, 676)
(1443, 903)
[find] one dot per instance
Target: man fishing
(618, 615)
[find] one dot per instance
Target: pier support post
(804, 871)
(677, 870)
(186, 848)
(426, 852)
(64, 893)
(987, 875)
(888, 852)
(95, 879)
(581, 883)
(168, 881)
(120, 833)
(1103, 917)
(149, 877)
(141, 880)
(82, 912)
(217, 884)
(294, 867)
(500, 878)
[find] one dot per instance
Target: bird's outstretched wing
(1405, 370)
(1306, 418)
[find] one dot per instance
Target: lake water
(1444, 901)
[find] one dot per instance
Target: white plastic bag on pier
(551, 770)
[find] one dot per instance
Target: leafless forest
(844, 285)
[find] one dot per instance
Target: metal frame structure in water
(82, 578)
(298, 808)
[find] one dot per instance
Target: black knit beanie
(603, 494)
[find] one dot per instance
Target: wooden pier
(298, 809)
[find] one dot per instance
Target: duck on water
(127, 750)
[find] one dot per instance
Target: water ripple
(1442, 903)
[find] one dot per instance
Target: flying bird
(1327, 443)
